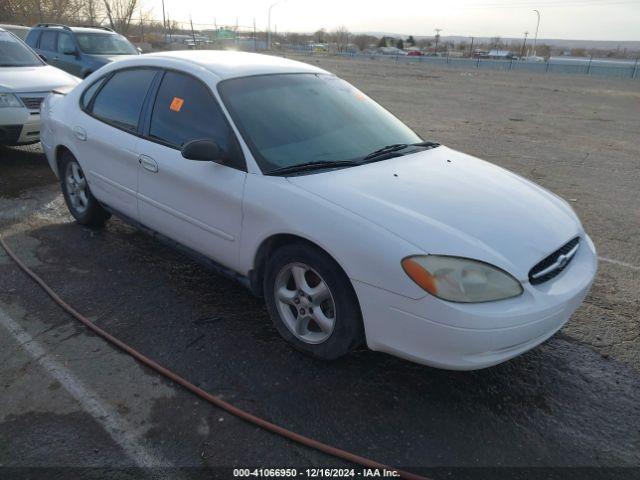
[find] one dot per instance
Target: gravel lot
(68, 399)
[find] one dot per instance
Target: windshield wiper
(392, 150)
(317, 165)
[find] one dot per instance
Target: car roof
(232, 64)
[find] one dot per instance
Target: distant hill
(555, 42)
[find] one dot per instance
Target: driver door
(196, 203)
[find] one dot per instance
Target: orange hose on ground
(246, 416)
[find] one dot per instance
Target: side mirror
(203, 150)
(44, 59)
(139, 49)
(71, 52)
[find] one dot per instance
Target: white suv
(25, 80)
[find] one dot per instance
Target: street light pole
(535, 39)
(437, 30)
(269, 24)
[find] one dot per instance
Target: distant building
(500, 54)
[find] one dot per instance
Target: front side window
(120, 101)
(14, 53)
(292, 119)
(186, 110)
(105, 44)
(48, 41)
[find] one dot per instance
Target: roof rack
(46, 25)
(98, 27)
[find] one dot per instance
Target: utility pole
(535, 39)
(255, 45)
(193, 34)
(471, 49)
(437, 30)
(524, 44)
(269, 24)
(164, 23)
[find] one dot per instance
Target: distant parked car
(25, 80)
(79, 51)
(414, 53)
(19, 31)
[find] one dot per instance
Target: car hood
(449, 203)
(34, 79)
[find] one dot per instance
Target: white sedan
(25, 80)
(352, 227)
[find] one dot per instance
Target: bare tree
(364, 41)
(320, 36)
(120, 13)
(341, 38)
(93, 11)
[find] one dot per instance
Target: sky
(566, 19)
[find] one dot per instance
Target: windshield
(105, 44)
(14, 53)
(290, 119)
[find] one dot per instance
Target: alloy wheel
(77, 190)
(305, 303)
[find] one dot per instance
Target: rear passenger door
(197, 203)
(106, 136)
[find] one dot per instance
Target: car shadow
(23, 168)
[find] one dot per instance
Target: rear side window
(32, 38)
(120, 101)
(186, 110)
(48, 41)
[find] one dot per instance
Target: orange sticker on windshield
(176, 104)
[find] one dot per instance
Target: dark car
(79, 51)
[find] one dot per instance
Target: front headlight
(460, 279)
(9, 100)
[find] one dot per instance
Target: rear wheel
(80, 202)
(311, 302)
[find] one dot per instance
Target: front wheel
(80, 202)
(311, 302)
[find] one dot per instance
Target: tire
(80, 202)
(330, 324)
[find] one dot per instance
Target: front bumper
(19, 126)
(459, 336)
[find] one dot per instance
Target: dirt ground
(572, 404)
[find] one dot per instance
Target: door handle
(148, 163)
(80, 133)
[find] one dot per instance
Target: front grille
(32, 103)
(9, 134)
(554, 264)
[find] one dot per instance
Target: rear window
(120, 100)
